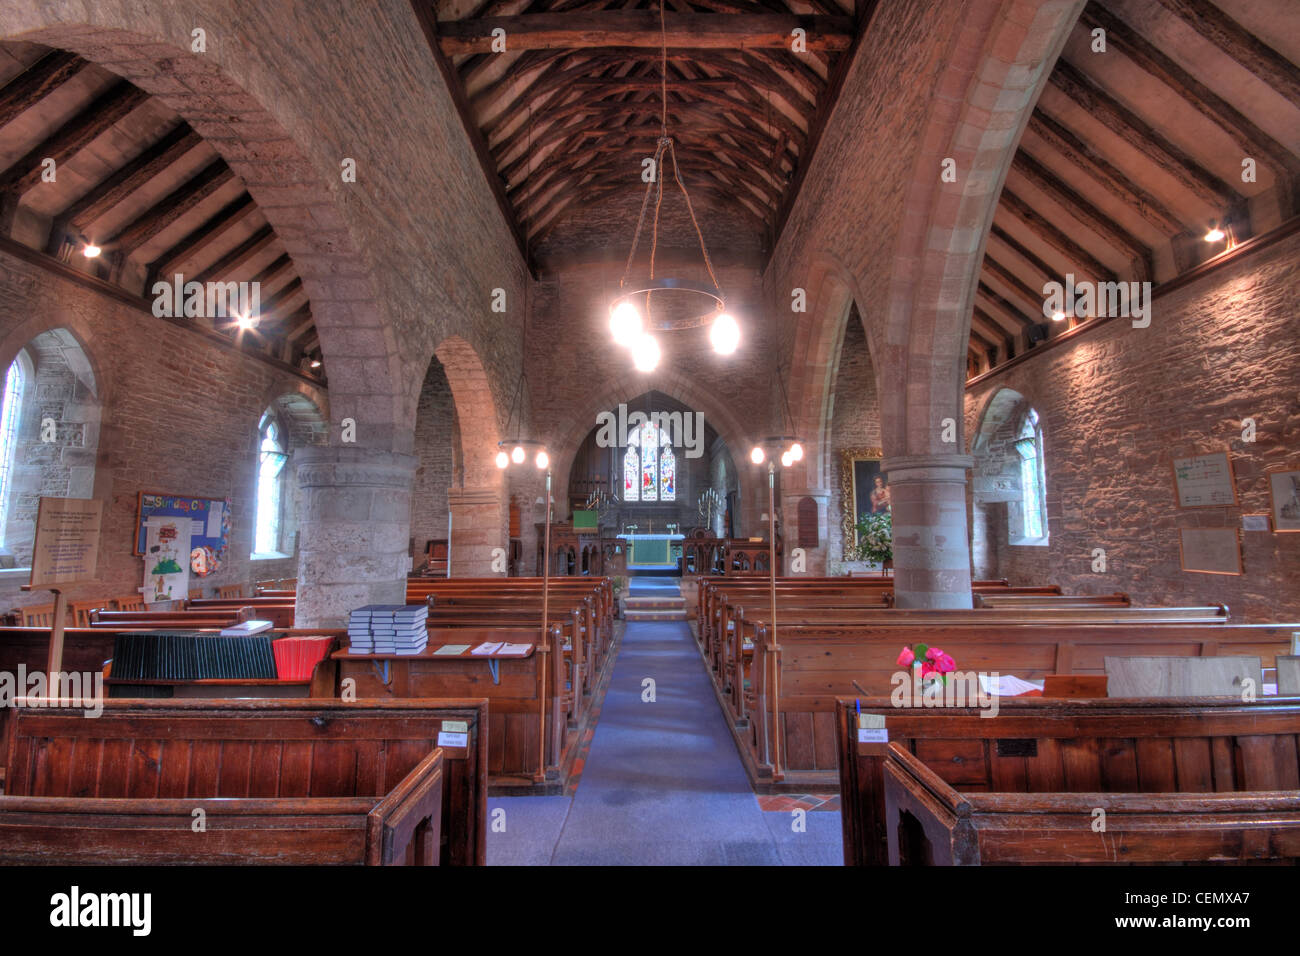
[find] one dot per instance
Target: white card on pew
(449, 649)
(488, 647)
(1007, 685)
(446, 739)
(514, 650)
(873, 735)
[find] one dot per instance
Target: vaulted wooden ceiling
(1134, 148)
(564, 116)
(134, 179)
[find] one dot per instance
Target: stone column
(931, 550)
(480, 520)
(354, 517)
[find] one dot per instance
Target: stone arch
(225, 99)
(944, 226)
(61, 394)
(626, 386)
(478, 508)
(832, 293)
(997, 490)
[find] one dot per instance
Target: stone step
(657, 615)
(649, 603)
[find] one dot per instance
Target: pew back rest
(1039, 745)
(256, 749)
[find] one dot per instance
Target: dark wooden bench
(1197, 780)
(786, 731)
(277, 781)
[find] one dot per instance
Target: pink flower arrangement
(931, 660)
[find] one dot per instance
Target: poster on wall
(1210, 550)
(864, 489)
(66, 549)
(1284, 492)
(166, 564)
(1204, 481)
(203, 526)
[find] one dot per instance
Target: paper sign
(1255, 523)
(873, 735)
(67, 541)
(452, 740)
(1204, 481)
(456, 726)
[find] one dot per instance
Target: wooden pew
(787, 736)
(1180, 780)
(280, 782)
(530, 744)
(995, 599)
(280, 616)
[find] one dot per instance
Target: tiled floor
(785, 802)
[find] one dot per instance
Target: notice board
(1205, 481)
(66, 550)
(208, 520)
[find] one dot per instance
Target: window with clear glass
(1032, 512)
(270, 487)
(15, 381)
(649, 466)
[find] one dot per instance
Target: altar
(651, 552)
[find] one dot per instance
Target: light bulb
(245, 322)
(724, 334)
(502, 459)
(796, 452)
(1215, 234)
(517, 454)
(786, 460)
(624, 323)
(756, 456)
(543, 459)
(645, 353)
(91, 250)
(1058, 316)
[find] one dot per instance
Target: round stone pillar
(354, 531)
(931, 547)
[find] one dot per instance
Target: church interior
(659, 432)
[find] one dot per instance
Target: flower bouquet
(934, 663)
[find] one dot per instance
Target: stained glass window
(631, 474)
(649, 466)
(649, 462)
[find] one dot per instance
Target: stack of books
(296, 657)
(389, 629)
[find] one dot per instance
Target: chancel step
(655, 608)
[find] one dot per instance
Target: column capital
(333, 466)
(926, 467)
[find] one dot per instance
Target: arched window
(15, 382)
(649, 466)
(1029, 520)
(270, 486)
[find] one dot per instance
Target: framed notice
(197, 529)
(1210, 550)
(1284, 492)
(1205, 481)
(66, 550)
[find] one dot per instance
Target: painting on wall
(864, 489)
(1284, 492)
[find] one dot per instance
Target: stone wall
(180, 414)
(1116, 403)
(436, 442)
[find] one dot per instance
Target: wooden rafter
(640, 28)
(1049, 233)
(255, 244)
(36, 82)
(216, 226)
(171, 207)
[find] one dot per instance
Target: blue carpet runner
(663, 783)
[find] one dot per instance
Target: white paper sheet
(1008, 685)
